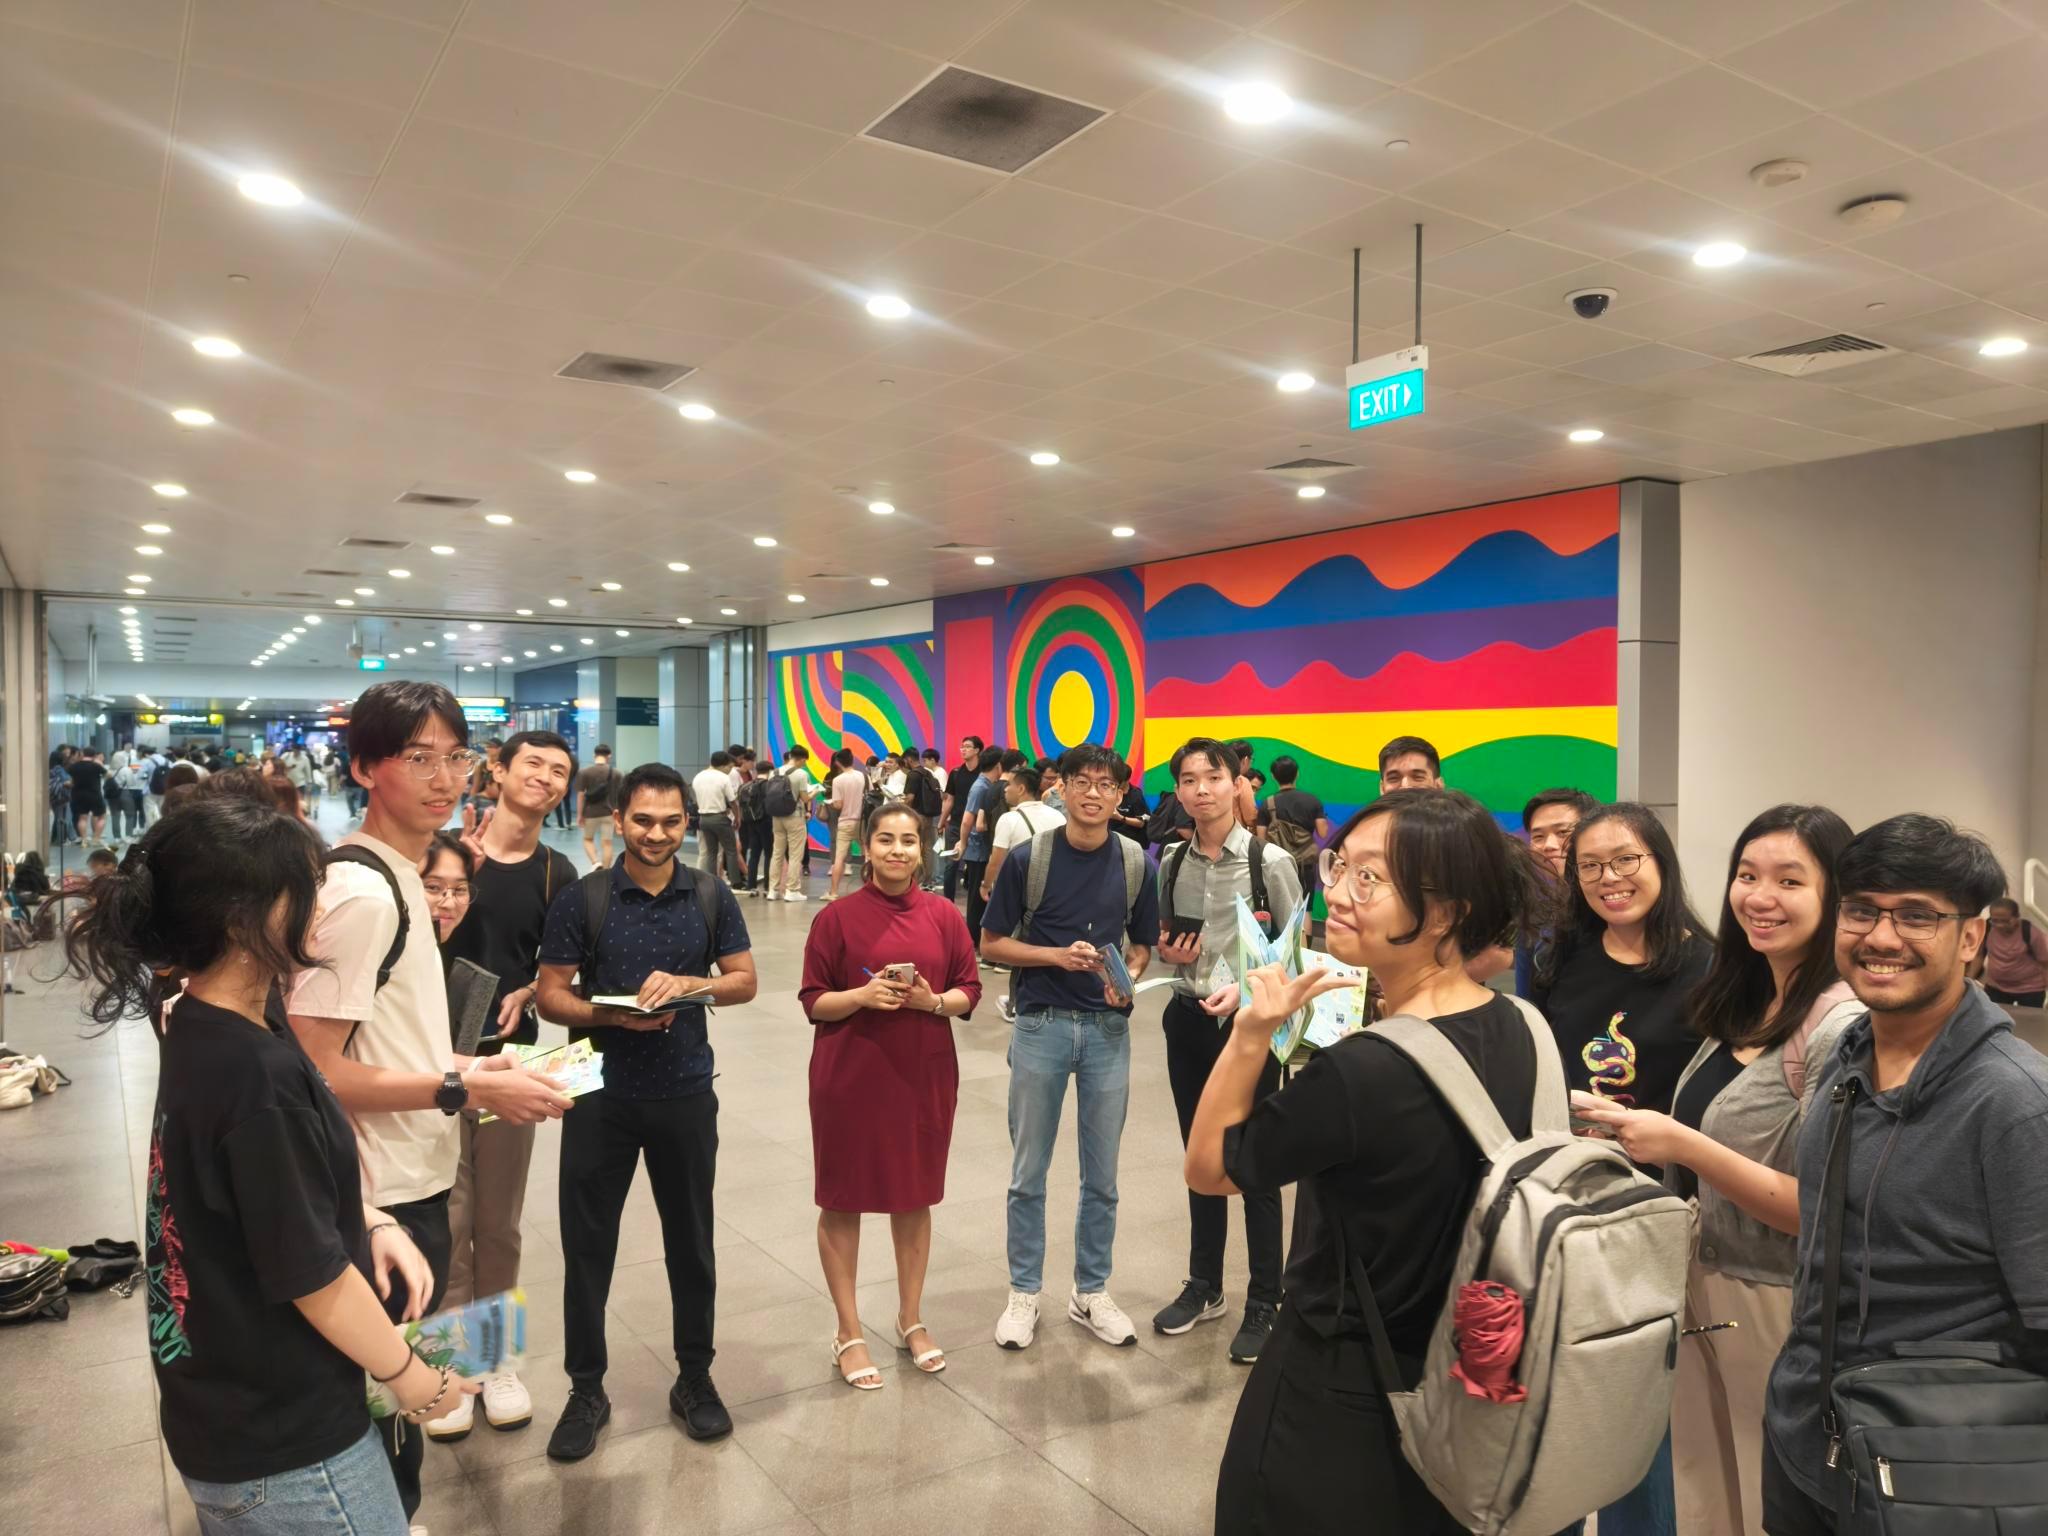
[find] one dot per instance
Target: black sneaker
(1253, 1332)
(575, 1435)
(1195, 1304)
(695, 1401)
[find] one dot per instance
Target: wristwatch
(452, 1095)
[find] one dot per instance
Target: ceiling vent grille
(990, 123)
(384, 544)
(314, 570)
(1820, 355)
(634, 372)
(437, 499)
(1310, 469)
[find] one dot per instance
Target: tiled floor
(1070, 1436)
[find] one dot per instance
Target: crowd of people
(319, 1169)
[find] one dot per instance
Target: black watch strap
(452, 1095)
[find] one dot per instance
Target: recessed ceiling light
(215, 346)
(586, 640)
(1256, 101)
(678, 566)
(508, 660)
(430, 645)
(344, 602)
(129, 612)
(449, 634)
(139, 579)
(400, 572)
(1294, 383)
(412, 650)
(881, 508)
(888, 306)
(558, 602)
(471, 667)
(2002, 346)
(696, 410)
(133, 591)
(147, 549)
(441, 549)
(579, 476)
(1123, 531)
(524, 613)
(312, 618)
(730, 612)
(763, 541)
(287, 639)
(984, 559)
(623, 634)
(497, 519)
(169, 489)
(554, 647)
(1585, 434)
(298, 629)
(366, 591)
(156, 528)
(1045, 457)
(610, 586)
(192, 416)
(257, 662)
(1719, 253)
(878, 581)
(796, 597)
(274, 191)
(682, 618)
(475, 628)
(1312, 492)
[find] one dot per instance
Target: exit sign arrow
(1379, 400)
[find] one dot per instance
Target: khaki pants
(484, 1209)
(1717, 1406)
(790, 834)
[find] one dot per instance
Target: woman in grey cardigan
(1771, 1005)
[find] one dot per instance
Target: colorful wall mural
(1490, 631)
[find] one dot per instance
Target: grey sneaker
(1253, 1332)
(1195, 1304)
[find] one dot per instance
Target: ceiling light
(312, 618)
(139, 579)
(610, 586)
(554, 647)
(449, 634)
(558, 602)
(578, 476)
(147, 549)
(2002, 346)
(730, 612)
(1585, 434)
(1123, 531)
(344, 602)
(298, 629)
(1045, 457)
(682, 618)
(678, 566)
(1719, 253)
(586, 640)
(1311, 492)
(888, 306)
(128, 612)
(796, 597)
(430, 645)
(133, 591)
(881, 508)
(524, 613)
(1256, 101)
(1294, 383)
(398, 571)
(530, 655)
(984, 559)
(273, 191)
(156, 528)
(257, 662)
(623, 634)
(169, 489)
(763, 541)
(696, 410)
(878, 581)
(508, 660)
(215, 346)
(470, 668)
(287, 639)
(412, 650)
(497, 519)
(475, 628)
(441, 549)
(366, 591)
(192, 416)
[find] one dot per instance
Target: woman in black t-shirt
(262, 1319)
(1416, 884)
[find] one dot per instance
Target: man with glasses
(1944, 1232)
(1200, 882)
(1060, 901)
(372, 1013)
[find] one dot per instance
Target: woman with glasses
(1771, 1008)
(446, 873)
(1626, 955)
(1416, 884)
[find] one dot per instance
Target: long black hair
(202, 881)
(1730, 1003)
(1575, 923)
(1446, 847)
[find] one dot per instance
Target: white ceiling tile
(712, 141)
(1679, 120)
(231, 125)
(1191, 100)
(401, 213)
(448, 158)
(1105, 53)
(1010, 327)
(1896, 295)
(1713, 29)
(1117, 346)
(1847, 53)
(1481, 324)
(1677, 314)
(1930, 191)
(1566, 345)
(1133, 387)
(742, 275)
(1568, 63)
(1520, 184)
(1088, 293)
(535, 285)
(1634, 365)
(499, 91)
(1758, 331)
(1384, 234)
(710, 314)
(1192, 315)
(939, 28)
(1280, 275)
(1047, 222)
(821, 240)
(1499, 264)
(146, 26)
(1274, 201)
(804, 73)
(369, 263)
(1646, 214)
(640, 198)
(1433, 137)
(1169, 250)
(315, 45)
(82, 108)
(1122, 160)
(952, 265)
(1981, 228)
(887, 181)
(1996, 272)
(428, 13)
(613, 251)
(1399, 39)
(1997, 90)
(1835, 153)
(2007, 160)
(1952, 336)
(635, 41)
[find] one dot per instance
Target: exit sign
(1386, 388)
(370, 663)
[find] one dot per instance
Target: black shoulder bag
(1943, 1437)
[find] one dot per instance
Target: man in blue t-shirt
(1073, 1022)
(977, 830)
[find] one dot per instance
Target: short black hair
(1577, 799)
(600, 750)
(1043, 763)
(1123, 771)
(445, 841)
(546, 741)
(991, 759)
(975, 739)
(388, 715)
(735, 749)
(103, 856)
(1448, 848)
(1087, 755)
(1285, 770)
(1406, 746)
(1916, 852)
(1028, 777)
(2004, 904)
(721, 759)
(799, 750)
(1243, 749)
(658, 777)
(1013, 760)
(1256, 775)
(1218, 754)
(842, 758)
(931, 755)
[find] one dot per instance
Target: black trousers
(1314, 1450)
(755, 838)
(1193, 1042)
(950, 838)
(426, 1223)
(2016, 999)
(1788, 1511)
(972, 874)
(603, 1139)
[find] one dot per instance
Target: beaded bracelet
(425, 1410)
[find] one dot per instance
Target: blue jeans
(1648, 1509)
(351, 1494)
(1046, 1048)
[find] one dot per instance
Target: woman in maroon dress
(885, 970)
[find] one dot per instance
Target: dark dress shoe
(695, 1401)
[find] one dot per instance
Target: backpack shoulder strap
(710, 902)
(1037, 870)
(597, 900)
(355, 853)
(1134, 875)
(1255, 867)
(1171, 865)
(1452, 1076)
(1552, 1110)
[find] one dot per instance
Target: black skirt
(1314, 1448)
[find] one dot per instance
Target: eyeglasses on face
(1623, 865)
(1917, 923)
(455, 891)
(1331, 868)
(422, 764)
(1098, 789)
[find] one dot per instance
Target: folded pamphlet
(1330, 1016)
(577, 1065)
(629, 1002)
(482, 1336)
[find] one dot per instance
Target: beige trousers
(1717, 1406)
(790, 833)
(484, 1209)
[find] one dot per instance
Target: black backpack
(922, 791)
(1255, 863)
(752, 807)
(597, 900)
(355, 853)
(778, 795)
(159, 776)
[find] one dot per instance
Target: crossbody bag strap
(1386, 1370)
(1834, 1199)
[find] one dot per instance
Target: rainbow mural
(870, 699)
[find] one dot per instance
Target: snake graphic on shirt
(1610, 1057)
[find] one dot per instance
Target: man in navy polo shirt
(657, 944)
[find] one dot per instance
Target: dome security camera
(1591, 303)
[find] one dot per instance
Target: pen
(1707, 1328)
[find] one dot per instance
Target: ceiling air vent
(1819, 355)
(635, 372)
(436, 499)
(965, 116)
(314, 570)
(376, 544)
(1310, 469)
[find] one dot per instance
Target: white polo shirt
(407, 1154)
(713, 789)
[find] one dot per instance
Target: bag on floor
(1596, 1254)
(31, 1286)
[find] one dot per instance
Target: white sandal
(921, 1361)
(868, 1378)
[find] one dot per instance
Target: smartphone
(1179, 930)
(902, 974)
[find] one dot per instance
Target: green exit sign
(1386, 388)
(370, 663)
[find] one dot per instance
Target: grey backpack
(1597, 1252)
(1039, 871)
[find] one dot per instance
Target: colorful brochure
(483, 1336)
(577, 1065)
(1330, 1016)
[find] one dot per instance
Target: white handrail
(2034, 890)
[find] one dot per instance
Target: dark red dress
(884, 1084)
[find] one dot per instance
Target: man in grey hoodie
(1945, 1230)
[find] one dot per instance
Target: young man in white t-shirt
(386, 1051)
(1025, 819)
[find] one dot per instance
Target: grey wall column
(733, 661)
(25, 702)
(1647, 664)
(757, 698)
(685, 708)
(597, 679)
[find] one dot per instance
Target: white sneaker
(1018, 1325)
(1006, 1005)
(773, 896)
(796, 896)
(507, 1403)
(456, 1423)
(1101, 1317)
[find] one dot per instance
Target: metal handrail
(2034, 890)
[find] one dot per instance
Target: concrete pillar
(733, 661)
(597, 708)
(683, 686)
(24, 713)
(2036, 842)
(1647, 663)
